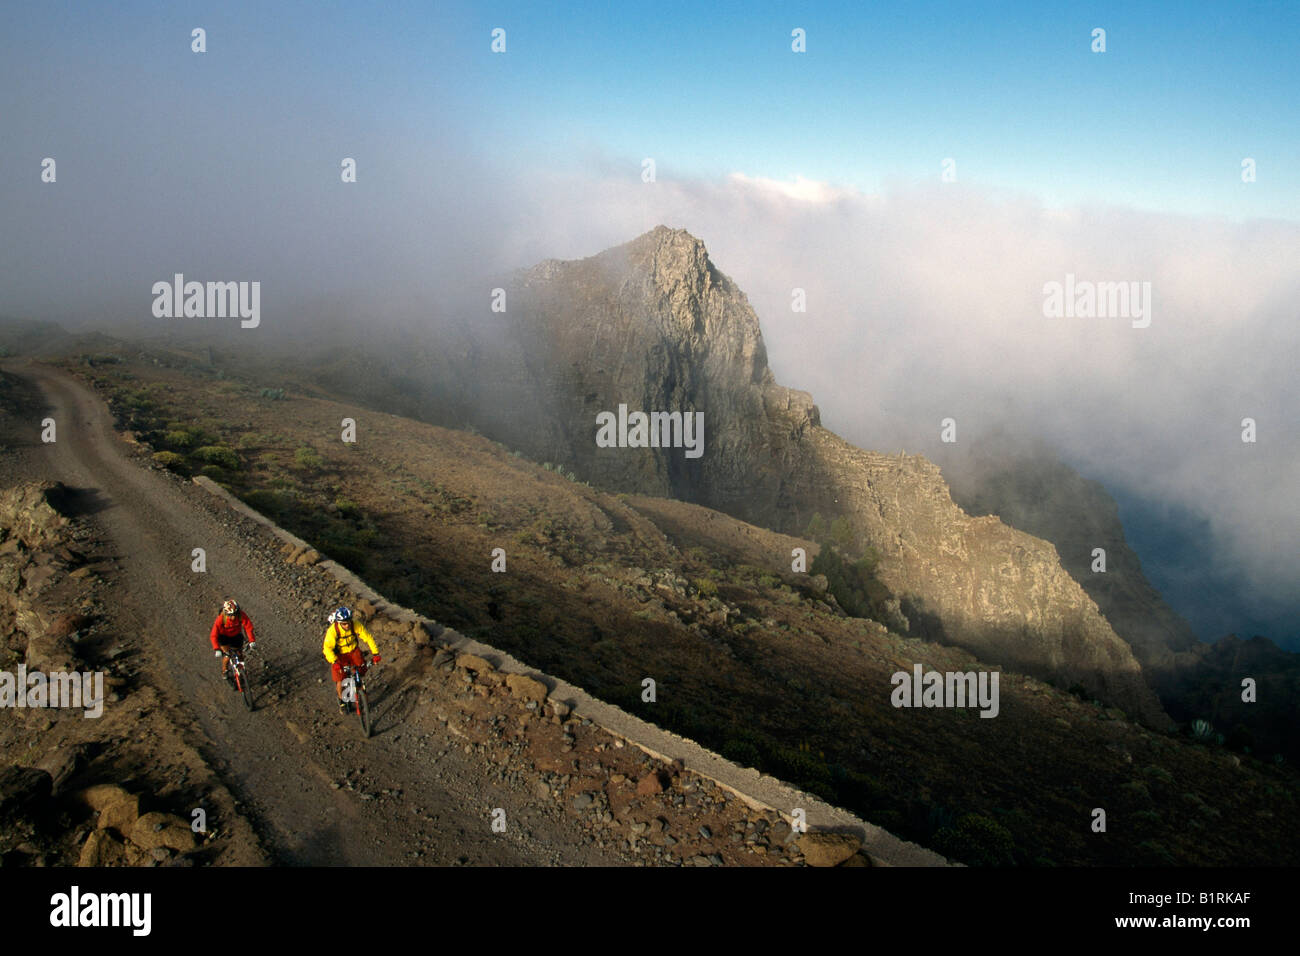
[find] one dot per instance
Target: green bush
(219, 455)
(976, 841)
(854, 584)
(250, 440)
(307, 459)
(706, 587)
(171, 461)
(183, 438)
(841, 533)
(275, 394)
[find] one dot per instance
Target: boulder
(649, 785)
(472, 662)
(48, 653)
(824, 848)
(162, 829)
(120, 815)
(526, 688)
(101, 795)
(30, 510)
(62, 763)
(102, 849)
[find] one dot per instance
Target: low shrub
(219, 455)
(171, 461)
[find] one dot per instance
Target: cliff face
(977, 582)
(1029, 488)
(654, 325)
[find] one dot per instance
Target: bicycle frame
(241, 675)
(354, 686)
(358, 682)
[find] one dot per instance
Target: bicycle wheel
(363, 709)
(246, 689)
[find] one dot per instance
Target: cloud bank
(927, 302)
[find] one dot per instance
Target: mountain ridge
(654, 323)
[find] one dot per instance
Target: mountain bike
(354, 695)
(238, 675)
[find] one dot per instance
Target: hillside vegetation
(761, 663)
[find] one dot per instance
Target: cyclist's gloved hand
(216, 653)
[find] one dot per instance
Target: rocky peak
(654, 325)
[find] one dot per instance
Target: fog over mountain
(927, 303)
(923, 303)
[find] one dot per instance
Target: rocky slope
(654, 325)
(116, 789)
(753, 660)
(1028, 487)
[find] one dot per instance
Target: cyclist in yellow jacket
(342, 647)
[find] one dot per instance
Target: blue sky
(1011, 92)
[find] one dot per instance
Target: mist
(924, 302)
(927, 302)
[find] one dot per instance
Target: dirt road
(317, 792)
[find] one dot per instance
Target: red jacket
(229, 631)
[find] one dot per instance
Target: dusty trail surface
(317, 792)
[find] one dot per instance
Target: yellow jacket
(338, 641)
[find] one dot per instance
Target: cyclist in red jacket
(228, 632)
